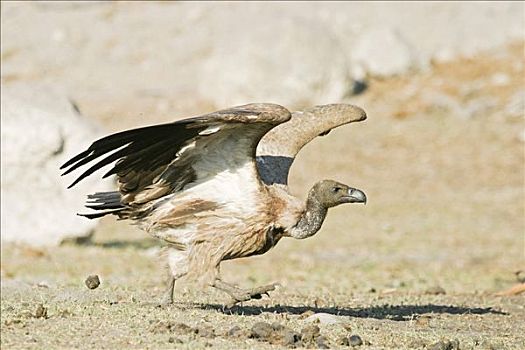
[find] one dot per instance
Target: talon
(240, 295)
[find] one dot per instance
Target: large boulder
(281, 58)
(41, 130)
(382, 52)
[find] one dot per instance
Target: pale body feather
(237, 227)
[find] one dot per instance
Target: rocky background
(441, 158)
(187, 57)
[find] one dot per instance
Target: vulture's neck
(311, 220)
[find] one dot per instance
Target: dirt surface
(441, 159)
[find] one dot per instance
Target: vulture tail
(109, 202)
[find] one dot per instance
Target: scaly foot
(239, 295)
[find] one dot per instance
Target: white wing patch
(226, 181)
(210, 130)
(235, 185)
(233, 188)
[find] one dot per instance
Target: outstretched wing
(154, 161)
(278, 148)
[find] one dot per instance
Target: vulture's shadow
(390, 312)
(139, 244)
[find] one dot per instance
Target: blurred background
(441, 155)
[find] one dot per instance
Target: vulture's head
(331, 193)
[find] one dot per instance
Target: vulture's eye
(336, 189)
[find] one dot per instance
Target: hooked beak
(355, 196)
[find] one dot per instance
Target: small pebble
(423, 320)
(486, 345)
(65, 313)
(235, 331)
(92, 281)
(322, 343)
(289, 337)
(417, 344)
(261, 330)
(181, 328)
(160, 327)
(205, 331)
(9, 308)
(175, 340)
(455, 344)
(344, 341)
(355, 340)
(445, 345)
(168, 327)
(43, 284)
(27, 314)
(436, 290)
(277, 326)
(12, 322)
(310, 333)
(440, 345)
(41, 311)
(347, 326)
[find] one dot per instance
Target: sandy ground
(441, 159)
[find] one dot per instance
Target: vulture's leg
(177, 267)
(239, 295)
(167, 298)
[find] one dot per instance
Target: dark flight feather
(147, 160)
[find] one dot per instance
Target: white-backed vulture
(196, 184)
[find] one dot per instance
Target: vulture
(214, 187)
